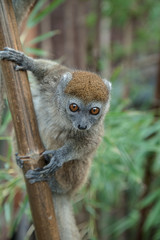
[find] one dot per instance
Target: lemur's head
(86, 98)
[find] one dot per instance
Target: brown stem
(148, 178)
(96, 46)
(24, 120)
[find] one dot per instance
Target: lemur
(70, 107)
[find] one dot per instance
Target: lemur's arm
(26, 63)
(39, 67)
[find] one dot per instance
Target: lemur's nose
(82, 127)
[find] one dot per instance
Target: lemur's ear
(108, 84)
(65, 79)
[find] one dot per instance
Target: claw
(17, 68)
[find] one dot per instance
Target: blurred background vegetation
(120, 40)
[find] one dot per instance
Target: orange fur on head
(87, 86)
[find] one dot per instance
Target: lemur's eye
(94, 110)
(73, 107)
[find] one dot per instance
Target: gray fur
(108, 84)
(69, 147)
(63, 209)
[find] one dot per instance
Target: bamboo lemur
(70, 106)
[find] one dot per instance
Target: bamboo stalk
(24, 120)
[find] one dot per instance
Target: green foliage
(10, 184)
(119, 11)
(117, 170)
(43, 37)
(39, 12)
(91, 19)
(143, 16)
(117, 175)
(115, 196)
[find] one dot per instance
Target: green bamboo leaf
(5, 138)
(40, 16)
(150, 198)
(34, 12)
(43, 37)
(6, 120)
(123, 224)
(152, 217)
(157, 235)
(35, 51)
(7, 212)
(19, 215)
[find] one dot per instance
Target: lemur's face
(81, 115)
(84, 99)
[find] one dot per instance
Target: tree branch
(24, 120)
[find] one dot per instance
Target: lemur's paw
(43, 174)
(15, 56)
(19, 161)
(36, 176)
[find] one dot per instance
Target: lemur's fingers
(37, 173)
(24, 62)
(6, 55)
(17, 68)
(12, 55)
(34, 180)
(33, 173)
(20, 160)
(42, 174)
(34, 176)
